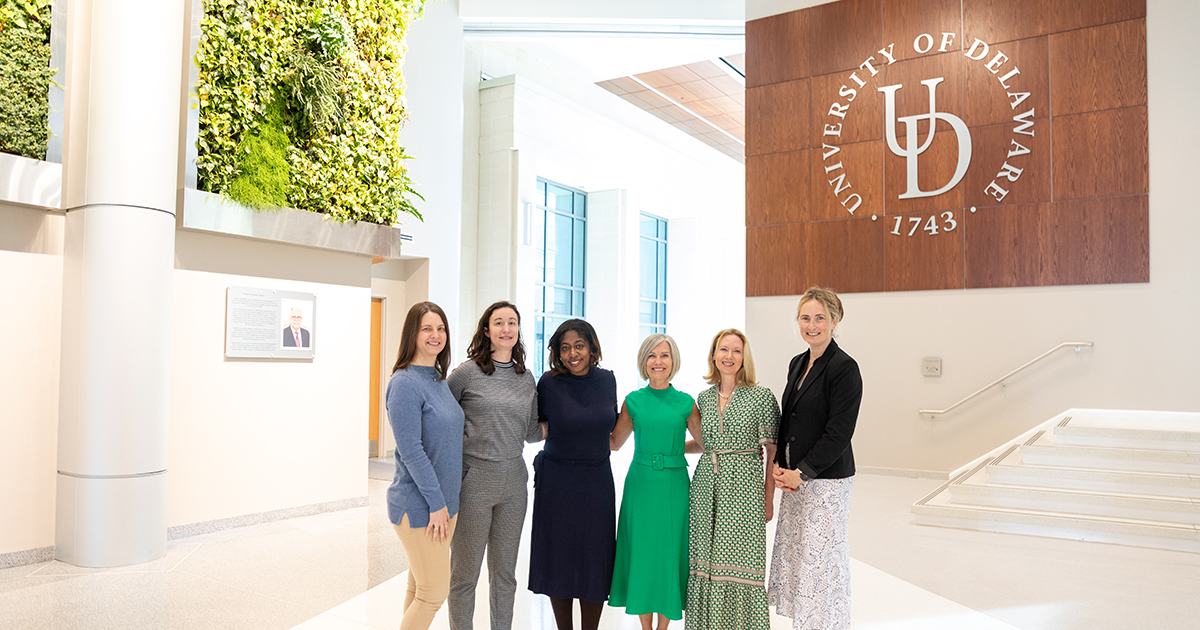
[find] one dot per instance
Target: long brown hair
(408, 339)
(585, 332)
(480, 350)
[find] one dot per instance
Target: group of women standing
(677, 545)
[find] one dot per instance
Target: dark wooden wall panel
(1078, 213)
(937, 165)
(834, 47)
(991, 146)
(986, 102)
(1101, 153)
(775, 260)
(1098, 68)
(1089, 241)
(863, 167)
(1004, 247)
(924, 261)
(777, 188)
(904, 20)
(1072, 14)
(861, 121)
(1101, 241)
(777, 118)
(777, 48)
(846, 256)
(998, 21)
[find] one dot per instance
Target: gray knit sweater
(501, 410)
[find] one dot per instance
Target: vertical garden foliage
(334, 65)
(25, 77)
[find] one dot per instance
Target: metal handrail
(1066, 344)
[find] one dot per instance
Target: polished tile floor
(346, 570)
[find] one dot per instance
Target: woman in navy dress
(573, 537)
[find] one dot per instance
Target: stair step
(1136, 532)
(1097, 503)
(1158, 484)
(1111, 458)
(1173, 431)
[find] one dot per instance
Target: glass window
(560, 231)
(652, 307)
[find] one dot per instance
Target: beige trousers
(428, 574)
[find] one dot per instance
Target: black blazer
(818, 420)
(289, 340)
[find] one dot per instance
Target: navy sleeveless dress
(573, 538)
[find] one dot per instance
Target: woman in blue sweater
(428, 425)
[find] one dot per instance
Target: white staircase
(1125, 477)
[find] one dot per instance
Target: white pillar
(120, 159)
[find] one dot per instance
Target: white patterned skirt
(810, 564)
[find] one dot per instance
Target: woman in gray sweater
(499, 400)
(428, 423)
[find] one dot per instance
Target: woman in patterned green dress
(731, 495)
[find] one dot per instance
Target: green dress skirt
(651, 568)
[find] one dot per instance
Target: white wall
(433, 137)
(253, 435)
(31, 283)
(1147, 335)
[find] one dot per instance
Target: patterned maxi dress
(727, 540)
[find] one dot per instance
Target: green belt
(658, 461)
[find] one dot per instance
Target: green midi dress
(651, 569)
(728, 546)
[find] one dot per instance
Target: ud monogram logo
(911, 151)
(1014, 161)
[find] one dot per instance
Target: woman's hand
(787, 479)
(438, 529)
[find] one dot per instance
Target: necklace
(725, 396)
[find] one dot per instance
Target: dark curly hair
(480, 350)
(581, 328)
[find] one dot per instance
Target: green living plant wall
(25, 77)
(301, 105)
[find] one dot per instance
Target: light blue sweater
(428, 425)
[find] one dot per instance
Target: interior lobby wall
(31, 283)
(1146, 335)
(254, 435)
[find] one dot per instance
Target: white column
(120, 159)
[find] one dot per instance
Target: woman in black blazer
(810, 566)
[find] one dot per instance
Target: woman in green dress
(731, 496)
(651, 567)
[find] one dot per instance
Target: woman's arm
(769, 483)
(536, 431)
(696, 444)
(621, 432)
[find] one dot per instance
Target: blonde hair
(650, 343)
(745, 374)
(827, 297)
